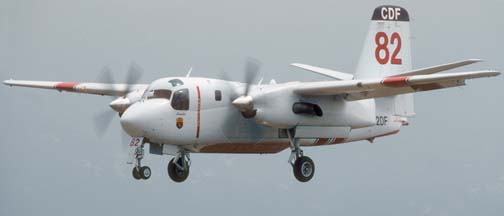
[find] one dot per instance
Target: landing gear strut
(178, 168)
(302, 166)
(139, 171)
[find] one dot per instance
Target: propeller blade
(105, 76)
(102, 121)
(252, 68)
(134, 74)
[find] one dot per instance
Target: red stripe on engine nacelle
(400, 81)
(66, 86)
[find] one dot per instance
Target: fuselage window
(180, 100)
(218, 95)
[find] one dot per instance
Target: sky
(447, 162)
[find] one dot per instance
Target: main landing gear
(178, 168)
(139, 171)
(302, 166)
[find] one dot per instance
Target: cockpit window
(180, 100)
(158, 93)
(176, 82)
(161, 93)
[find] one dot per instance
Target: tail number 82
(382, 41)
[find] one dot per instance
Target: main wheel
(304, 169)
(145, 172)
(177, 174)
(136, 173)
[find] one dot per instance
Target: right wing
(389, 86)
(85, 88)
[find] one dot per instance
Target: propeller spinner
(245, 102)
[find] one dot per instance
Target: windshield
(158, 93)
(160, 89)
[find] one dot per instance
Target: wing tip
(490, 73)
(474, 60)
(8, 82)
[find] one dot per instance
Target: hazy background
(449, 161)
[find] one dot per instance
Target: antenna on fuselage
(260, 81)
(189, 72)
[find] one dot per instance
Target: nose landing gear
(140, 172)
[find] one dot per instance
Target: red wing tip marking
(400, 81)
(66, 86)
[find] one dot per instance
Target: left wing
(84, 88)
(389, 86)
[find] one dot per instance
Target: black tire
(136, 174)
(177, 174)
(145, 172)
(304, 169)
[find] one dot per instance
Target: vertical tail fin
(387, 52)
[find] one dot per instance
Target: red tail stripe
(199, 111)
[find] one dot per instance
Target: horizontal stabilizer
(439, 68)
(324, 71)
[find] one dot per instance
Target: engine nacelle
(282, 108)
(122, 103)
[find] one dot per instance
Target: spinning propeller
(102, 120)
(245, 102)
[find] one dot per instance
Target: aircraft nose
(131, 121)
(145, 118)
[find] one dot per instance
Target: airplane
(178, 116)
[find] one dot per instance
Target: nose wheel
(178, 167)
(141, 173)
